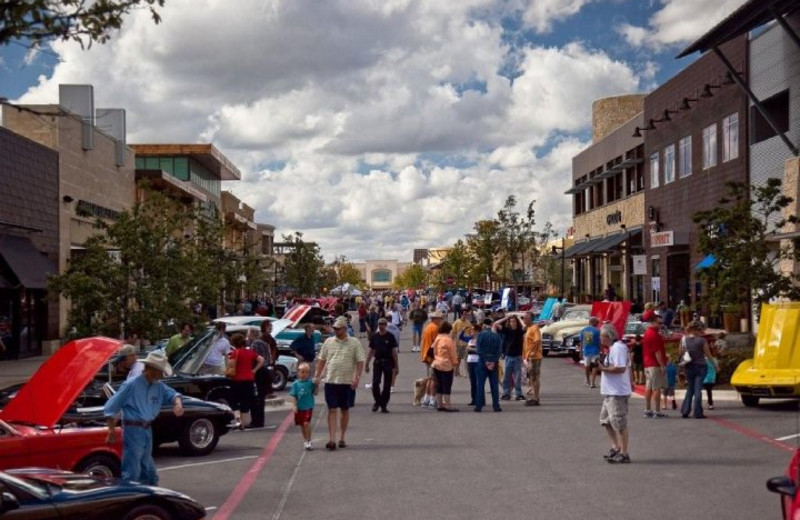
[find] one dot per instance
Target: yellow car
(774, 371)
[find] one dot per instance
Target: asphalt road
(526, 462)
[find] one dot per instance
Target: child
(710, 380)
(672, 380)
(303, 391)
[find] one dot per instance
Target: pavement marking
(212, 508)
(247, 480)
(182, 466)
(752, 433)
(788, 437)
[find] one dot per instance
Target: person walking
(428, 337)
(489, 347)
(215, 360)
(461, 324)
(418, 317)
(383, 347)
(266, 347)
(655, 365)
(696, 369)
(243, 363)
(532, 354)
(616, 386)
(303, 390)
(590, 347)
(140, 401)
(343, 358)
(372, 321)
(512, 334)
(444, 362)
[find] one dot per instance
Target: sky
(375, 127)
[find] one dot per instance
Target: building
(380, 274)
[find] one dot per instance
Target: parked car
(786, 486)
(47, 494)
(556, 334)
(774, 371)
(31, 433)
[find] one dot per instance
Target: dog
(420, 385)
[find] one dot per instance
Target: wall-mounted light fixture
(685, 103)
(665, 116)
(650, 126)
(728, 79)
(707, 90)
(67, 199)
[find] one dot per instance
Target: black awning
(607, 243)
(27, 263)
(581, 248)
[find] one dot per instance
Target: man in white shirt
(217, 356)
(616, 385)
(127, 363)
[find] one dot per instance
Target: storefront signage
(614, 218)
(639, 264)
(661, 239)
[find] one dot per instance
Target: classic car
(786, 486)
(30, 428)
(774, 370)
(563, 336)
(47, 494)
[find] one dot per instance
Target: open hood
(615, 313)
(59, 381)
(296, 313)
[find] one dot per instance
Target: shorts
(592, 360)
(638, 367)
(338, 396)
(614, 412)
(534, 370)
(302, 417)
(444, 381)
(428, 371)
(418, 328)
(462, 351)
(243, 393)
(655, 379)
(670, 391)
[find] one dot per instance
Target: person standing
(140, 401)
(362, 319)
(655, 365)
(372, 321)
(558, 310)
(266, 347)
(215, 360)
(459, 326)
(304, 347)
(428, 337)
(696, 369)
(418, 318)
(469, 337)
(344, 358)
(616, 386)
(303, 390)
(383, 347)
(532, 354)
(590, 347)
(512, 334)
(444, 361)
(178, 340)
(127, 364)
(489, 346)
(456, 301)
(243, 363)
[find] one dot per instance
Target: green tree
(737, 233)
(415, 277)
(37, 21)
(483, 245)
(303, 265)
(458, 264)
(340, 272)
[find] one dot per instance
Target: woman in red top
(242, 366)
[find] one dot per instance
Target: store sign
(639, 264)
(662, 239)
(614, 218)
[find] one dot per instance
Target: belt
(139, 424)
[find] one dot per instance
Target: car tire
(750, 400)
(148, 512)
(280, 377)
(546, 352)
(199, 437)
(99, 465)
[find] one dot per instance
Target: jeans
(695, 374)
(381, 369)
(480, 391)
(137, 456)
(513, 368)
(472, 370)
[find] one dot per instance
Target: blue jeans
(695, 374)
(137, 455)
(472, 371)
(480, 391)
(513, 367)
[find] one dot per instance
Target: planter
(731, 321)
(686, 318)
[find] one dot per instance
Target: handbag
(686, 358)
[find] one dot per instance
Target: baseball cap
(340, 323)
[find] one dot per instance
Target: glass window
(710, 146)
(777, 107)
(654, 173)
(685, 158)
(730, 137)
(669, 164)
(151, 163)
(382, 275)
(181, 166)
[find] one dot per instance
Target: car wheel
(280, 376)
(546, 352)
(99, 465)
(199, 437)
(749, 400)
(148, 512)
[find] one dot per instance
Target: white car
(558, 337)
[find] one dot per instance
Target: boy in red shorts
(303, 390)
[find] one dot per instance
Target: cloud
(678, 22)
(374, 127)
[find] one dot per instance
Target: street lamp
(628, 263)
(554, 251)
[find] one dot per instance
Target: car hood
(59, 381)
(559, 325)
(296, 313)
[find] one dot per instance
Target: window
(669, 164)
(710, 146)
(685, 157)
(778, 109)
(654, 173)
(730, 137)
(381, 276)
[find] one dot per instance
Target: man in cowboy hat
(428, 337)
(140, 400)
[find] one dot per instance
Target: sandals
(342, 444)
(331, 446)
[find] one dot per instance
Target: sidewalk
(19, 370)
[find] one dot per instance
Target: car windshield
(28, 485)
(190, 358)
(576, 314)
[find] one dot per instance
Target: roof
(206, 154)
(29, 265)
(752, 14)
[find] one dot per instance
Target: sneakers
(613, 452)
(648, 414)
(519, 398)
(532, 402)
(415, 348)
(368, 385)
(660, 415)
(586, 383)
(391, 391)
(505, 397)
(307, 446)
(711, 407)
(620, 458)
(593, 385)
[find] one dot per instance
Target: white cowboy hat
(158, 360)
(435, 314)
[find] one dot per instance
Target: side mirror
(8, 502)
(782, 486)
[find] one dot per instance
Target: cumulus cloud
(375, 127)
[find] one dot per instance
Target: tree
(415, 277)
(340, 272)
(303, 265)
(83, 21)
(457, 265)
(510, 241)
(483, 245)
(737, 233)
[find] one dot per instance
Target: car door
(14, 448)
(30, 507)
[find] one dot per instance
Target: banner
(639, 264)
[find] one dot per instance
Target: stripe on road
(182, 466)
(788, 437)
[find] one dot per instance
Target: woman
(469, 337)
(513, 336)
(696, 369)
(444, 364)
(242, 367)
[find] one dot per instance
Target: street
(539, 462)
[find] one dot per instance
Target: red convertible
(30, 433)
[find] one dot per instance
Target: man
(616, 385)
(456, 301)
(265, 346)
(140, 400)
(343, 357)
(383, 346)
(428, 337)
(489, 347)
(418, 318)
(266, 335)
(532, 354)
(667, 314)
(513, 343)
(127, 365)
(655, 365)
(459, 326)
(215, 361)
(304, 347)
(442, 307)
(558, 310)
(178, 340)
(590, 347)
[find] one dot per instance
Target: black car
(45, 494)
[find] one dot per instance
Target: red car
(786, 487)
(30, 433)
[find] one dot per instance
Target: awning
(581, 248)
(28, 264)
(705, 263)
(607, 243)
